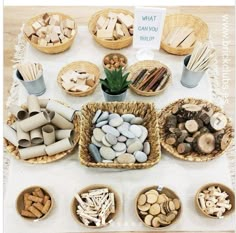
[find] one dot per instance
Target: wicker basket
(145, 110)
(223, 188)
(111, 217)
(55, 48)
(193, 156)
(13, 150)
(148, 64)
(184, 20)
(80, 65)
(110, 44)
(169, 193)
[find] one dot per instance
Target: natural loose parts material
(30, 71)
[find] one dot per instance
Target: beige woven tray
(193, 156)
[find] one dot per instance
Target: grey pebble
(119, 147)
(122, 138)
(128, 117)
(111, 130)
(101, 123)
(98, 134)
(144, 135)
(126, 158)
(95, 142)
(140, 156)
(105, 142)
(136, 130)
(111, 139)
(95, 153)
(137, 121)
(127, 134)
(107, 161)
(107, 153)
(131, 140)
(103, 117)
(124, 126)
(115, 122)
(97, 114)
(112, 116)
(146, 148)
(120, 152)
(135, 147)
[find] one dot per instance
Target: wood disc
(206, 143)
(142, 199)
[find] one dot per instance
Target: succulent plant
(115, 82)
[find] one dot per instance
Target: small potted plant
(115, 85)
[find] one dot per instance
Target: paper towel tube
(60, 121)
(23, 137)
(61, 109)
(36, 136)
(10, 134)
(64, 133)
(43, 102)
(33, 105)
(48, 134)
(32, 152)
(18, 112)
(35, 122)
(60, 146)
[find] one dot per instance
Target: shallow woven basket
(180, 20)
(148, 64)
(82, 66)
(111, 217)
(169, 193)
(145, 110)
(13, 150)
(193, 156)
(55, 48)
(223, 188)
(110, 44)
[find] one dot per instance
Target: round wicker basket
(110, 44)
(55, 48)
(80, 65)
(181, 20)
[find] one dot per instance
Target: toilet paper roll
(60, 146)
(35, 122)
(33, 105)
(13, 126)
(60, 121)
(10, 134)
(61, 109)
(36, 136)
(43, 102)
(18, 112)
(48, 134)
(23, 137)
(64, 133)
(32, 152)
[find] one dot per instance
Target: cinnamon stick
(145, 76)
(139, 76)
(148, 78)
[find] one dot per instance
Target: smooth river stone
(136, 130)
(111, 139)
(107, 153)
(101, 123)
(126, 158)
(137, 121)
(109, 129)
(105, 142)
(95, 142)
(146, 148)
(131, 141)
(127, 134)
(98, 113)
(122, 138)
(140, 156)
(144, 135)
(107, 161)
(120, 152)
(94, 152)
(103, 117)
(115, 122)
(128, 117)
(113, 115)
(119, 147)
(98, 134)
(135, 147)
(124, 126)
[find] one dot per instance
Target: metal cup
(190, 78)
(35, 87)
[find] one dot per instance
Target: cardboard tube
(64, 133)
(32, 152)
(18, 112)
(43, 102)
(10, 134)
(60, 146)
(35, 122)
(36, 136)
(13, 126)
(60, 121)
(61, 109)
(33, 105)
(48, 134)
(22, 137)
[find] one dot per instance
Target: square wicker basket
(145, 110)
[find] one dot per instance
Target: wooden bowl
(184, 20)
(110, 55)
(149, 64)
(110, 44)
(80, 65)
(55, 48)
(110, 218)
(161, 190)
(222, 187)
(20, 202)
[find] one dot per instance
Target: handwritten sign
(148, 25)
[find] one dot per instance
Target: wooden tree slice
(191, 126)
(218, 121)
(206, 143)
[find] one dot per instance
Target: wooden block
(42, 32)
(127, 20)
(54, 20)
(47, 38)
(112, 15)
(72, 33)
(68, 23)
(119, 30)
(34, 39)
(41, 21)
(61, 36)
(105, 24)
(68, 85)
(57, 43)
(46, 17)
(67, 32)
(42, 42)
(111, 25)
(50, 44)
(36, 26)
(105, 34)
(49, 29)
(28, 30)
(54, 37)
(100, 22)
(64, 40)
(189, 41)
(125, 30)
(56, 29)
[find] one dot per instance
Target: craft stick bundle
(30, 71)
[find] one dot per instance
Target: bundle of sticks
(202, 57)
(151, 80)
(30, 71)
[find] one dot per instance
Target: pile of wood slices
(196, 128)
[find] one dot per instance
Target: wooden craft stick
(189, 41)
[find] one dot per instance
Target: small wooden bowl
(149, 64)
(20, 202)
(222, 187)
(80, 65)
(110, 55)
(184, 20)
(110, 218)
(55, 48)
(169, 193)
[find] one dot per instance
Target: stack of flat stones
(119, 138)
